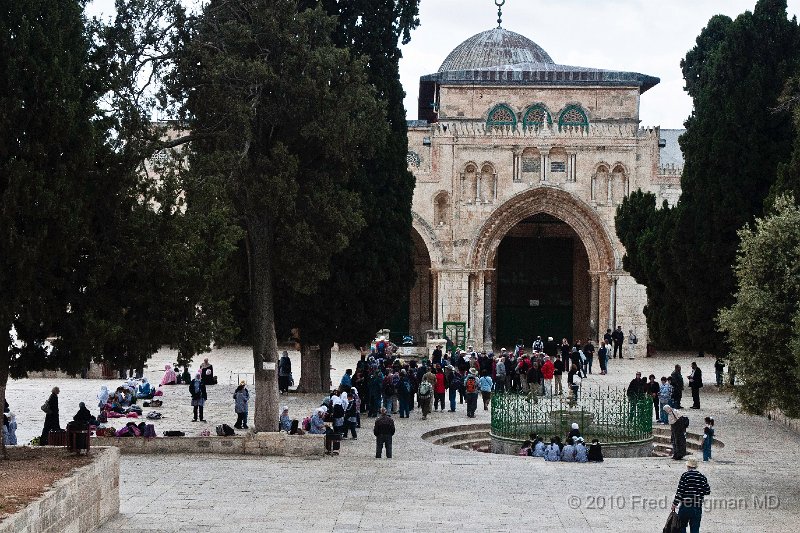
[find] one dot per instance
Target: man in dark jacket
(618, 337)
(384, 429)
(677, 387)
(696, 383)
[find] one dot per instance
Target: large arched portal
(541, 282)
(415, 315)
(543, 264)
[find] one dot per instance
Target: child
(581, 453)
(568, 453)
(708, 438)
(552, 452)
(538, 446)
(241, 398)
(595, 452)
(525, 451)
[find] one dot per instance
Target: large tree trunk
(325, 366)
(309, 369)
(265, 342)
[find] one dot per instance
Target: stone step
(462, 428)
(664, 435)
(470, 444)
(455, 437)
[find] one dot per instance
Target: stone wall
(623, 450)
(79, 503)
(267, 444)
(792, 424)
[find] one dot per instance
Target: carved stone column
(594, 306)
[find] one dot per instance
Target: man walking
(472, 388)
(384, 429)
(696, 383)
(618, 337)
(692, 488)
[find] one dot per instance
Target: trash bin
(57, 437)
(78, 437)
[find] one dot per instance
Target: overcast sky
(647, 36)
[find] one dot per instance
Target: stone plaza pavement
(428, 487)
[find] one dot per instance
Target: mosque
(520, 164)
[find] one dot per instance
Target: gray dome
(494, 48)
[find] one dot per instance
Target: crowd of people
(572, 450)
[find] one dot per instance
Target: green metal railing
(603, 413)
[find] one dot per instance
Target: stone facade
(498, 148)
(78, 503)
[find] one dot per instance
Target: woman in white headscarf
(317, 425)
(102, 397)
(337, 413)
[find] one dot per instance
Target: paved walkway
(428, 487)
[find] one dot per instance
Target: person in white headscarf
(102, 397)
(317, 425)
(337, 413)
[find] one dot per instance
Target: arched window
(535, 116)
(441, 209)
(501, 115)
(600, 184)
(619, 185)
(574, 116)
(469, 183)
(488, 184)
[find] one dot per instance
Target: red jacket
(547, 369)
(439, 388)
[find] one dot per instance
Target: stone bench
(267, 444)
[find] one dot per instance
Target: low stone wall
(616, 450)
(793, 424)
(78, 503)
(268, 444)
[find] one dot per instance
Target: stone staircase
(472, 437)
(662, 446)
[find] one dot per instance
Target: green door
(534, 289)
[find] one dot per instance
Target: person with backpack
(455, 384)
(405, 394)
(485, 384)
(241, 397)
(425, 393)
(471, 390)
(389, 390)
(197, 390)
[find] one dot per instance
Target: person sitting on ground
(525, 450)
(552, 451)
(294, 429)
(207, 371)
(538, 446)
(146, 390)
(84, 415)
(102, 397)
(581, 453)
(317, 426)
(595, 452)
(568, 453)
(285, 422)
(170, 377)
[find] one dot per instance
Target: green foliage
(734, 142)
(374, 273)
(49, 141)
(763, 324)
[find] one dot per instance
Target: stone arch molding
(552, 201)
(428, 236)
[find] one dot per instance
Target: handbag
(46, 407)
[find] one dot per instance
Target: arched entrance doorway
(541, 282)
(549, 227)
(415, 315)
